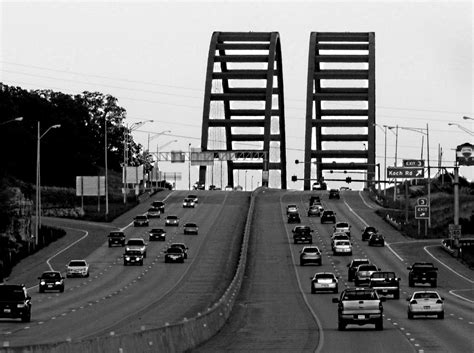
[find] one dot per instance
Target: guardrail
(177, 337)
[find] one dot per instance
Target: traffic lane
(355, 338)
(97, 294)
(269, 313)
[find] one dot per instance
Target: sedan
(328, 216)
(315, 211)
(324, 281)
(172, 221)
(310, 254)
(140, 220)
(426, 303)
(193, 197)
(342, 227)
(153, 212)
(188, 203)
(77, 268)
(191, 228)
(174, 254)
(338, 236)
(182, 246)
(342, 247)
(376, 239)
(157, 234)
(51, 280)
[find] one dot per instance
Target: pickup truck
(359, 306)
(385, 282)
(422, 272)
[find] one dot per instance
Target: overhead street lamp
(156, 136)
(467, 118)
(20, 118)
(462, 128)
(38, 178)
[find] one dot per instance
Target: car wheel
(301, 263)
(410, 315)
(379, 324)
(61, 289)
(441, 315)
(341, 325)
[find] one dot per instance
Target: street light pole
(106, 169)
(189, 166)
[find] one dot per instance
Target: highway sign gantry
(413, 163)
(405, 173)
(422, 212)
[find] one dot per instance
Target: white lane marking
(442, 263)
(363, 200)
(366, 224)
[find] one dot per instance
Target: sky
(152, 56)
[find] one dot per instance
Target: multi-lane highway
(275, 310)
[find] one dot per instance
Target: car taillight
(439, 301)
(21, 305)
(413, 302)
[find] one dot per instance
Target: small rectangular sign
(405, 173)
(413, 163)
(422, 212)
(422, 201)
(90, 186)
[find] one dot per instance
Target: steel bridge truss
(243, 102)
(340, 104)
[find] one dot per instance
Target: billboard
(132, 175)
(464, 154)
(90, 186)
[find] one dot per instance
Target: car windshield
(328, 213)
(136, 242)
(311, 250)
(190, 225)
(343, 242)
(153, 209)
(77, 263)
(324, 276)
(423, 266)
(370, 230)
(51, 275)
(356, 263)
(116, 234)
(192, 196)
(172, 217)
(141, 217)
(157, 230)
(188, 200)
(425, 296)
(359, 295)
(174, 250)
(181, 246)
(133, 252)
(11, 293)
(158, 203)
(367, 268)
(342, 225)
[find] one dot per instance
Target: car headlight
(42, 283)
(127, 258)
(57, 283)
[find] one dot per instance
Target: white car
(291, 209)
(77, 268)
(426, 303)
(342, 247)
(136, 244)
(324, 281)
(342, 227)
(338, 236)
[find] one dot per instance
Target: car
(51, 280)
(315, 211)
(328, 216)
(116, 238)
(174, 254)
(212, 187)
(338, 236)
(342, 227)
(133, 257)
(359, 306)
(422, 272)
(363, 273)
(314, 200)
(324, 281)
(376, 239)
(229, 188)
(291, 208)
(136, 244)
(153, 212)
(310, 254)
(425, 303)
(182, 246)
(77, 268)
(342, 247)
(367, 232)
(316, 186)
(193, 197)
(188, 203)
(15, 303)
(172, 221)
(199, 186)
(352, 267)
(334, 194)
(160, 205)
(344, 188)
(294, 217)
(191, 228)
(385, 282)
(141, 221)
(302, 234)
(157, 234)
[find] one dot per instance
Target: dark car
(191, 228)
(334, 194)
(182, 246)
(153, 212)
(367, 232)
(315, 199)
(116, 238)
(385, 282)
(51, 280)
(199, 186)
(160, 205)
(140, 221)
(157, 234)
(376, 239)
(423, 272)
(352, 267)
(174, 254)
(172, 220)
(315, 210)
(302, 234)
(294, 217)
(133, 257)
(328, 216)
(15, 303)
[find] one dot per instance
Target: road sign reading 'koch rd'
(413, 163)
(422, 212)
(405, 173)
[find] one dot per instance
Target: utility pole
(189, 166)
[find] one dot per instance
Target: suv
(385, 282)
(133, 257)
(342, 227)
(153, 212)
(160, 205)
(352, 267)
(174, 254)
(310, 254)
(359, 306)
(51, 280)
(136, 244)
(294, 217)
(422, 272)
(77, 268)
(15, 302)
(291, 208)
(116, 238)
(328, 216)
(334, 194)
(302, 234)
(140, 220)
(376, 239)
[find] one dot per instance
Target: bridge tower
(243, 105)
(340, 104)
